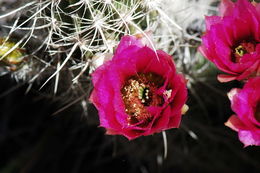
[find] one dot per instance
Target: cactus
(73, 35)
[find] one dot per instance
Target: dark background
(33, 140)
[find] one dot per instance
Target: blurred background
(55, 129)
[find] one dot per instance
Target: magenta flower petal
(138, 92)
(249, 137)
(246, 104)
(231, 40)
(225, 78)
(226, 8)
(212, 20)
(128, 42)
(235, 123)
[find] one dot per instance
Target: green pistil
(140, 93)
(240, 50)
(143, 94)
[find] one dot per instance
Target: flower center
(139, 92)
(243, 48)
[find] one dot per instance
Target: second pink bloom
(232, 40)
(246, 104)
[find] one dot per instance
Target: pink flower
(231, 40)
(138, 92)
(246, 104)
